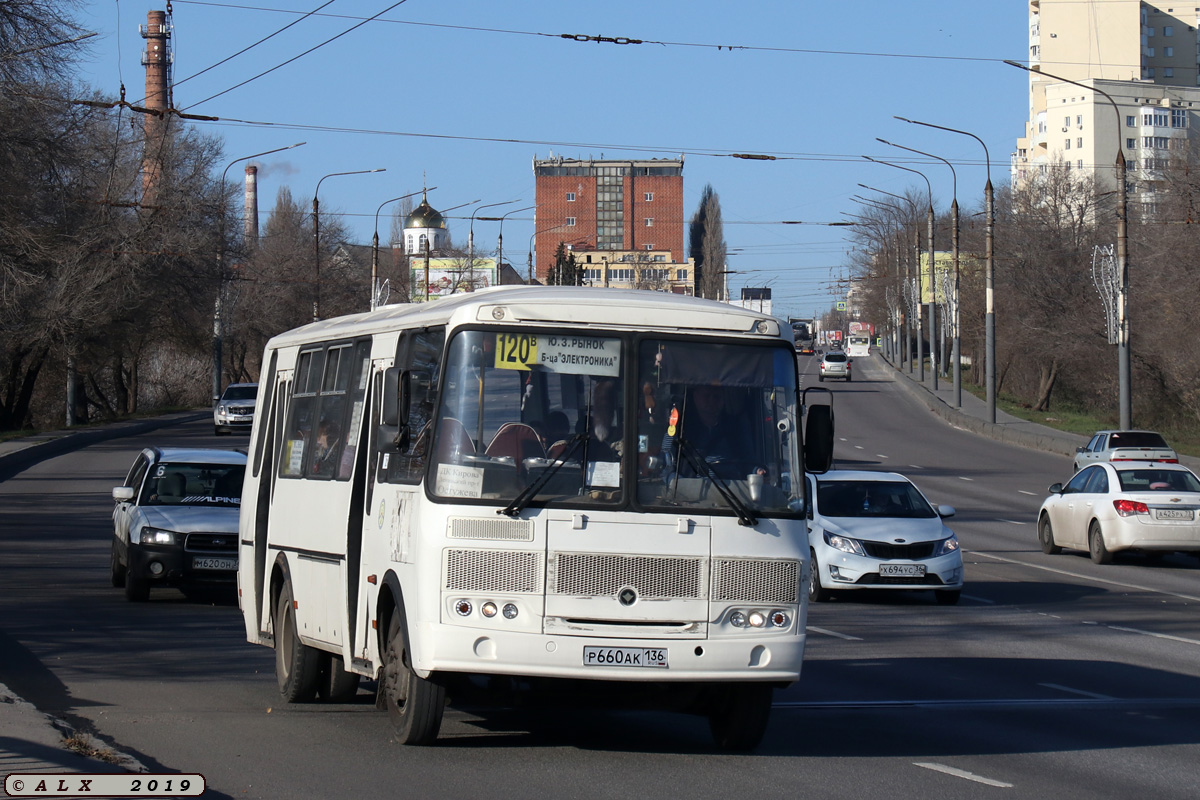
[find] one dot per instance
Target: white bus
(859, 344)
(527, 484)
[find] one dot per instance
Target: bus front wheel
(297, 666)
(738, 714)
(414, 704)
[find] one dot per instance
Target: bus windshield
(567, 419)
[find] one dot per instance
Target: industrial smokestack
(251, 222)
(156, 58)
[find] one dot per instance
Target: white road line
(880, 455)
(1069, 690)
(959, 773)
(1031, 494)
(859, 447)
(1010, 521)
(1152, 633)
(1192, 598)
(961, 478)
(915, 466)
(845, 636)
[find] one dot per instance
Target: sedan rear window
(1158, 480)
(1137, 439)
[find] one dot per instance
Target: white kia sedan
(875, 530)
(175, 519)
(1128, 505)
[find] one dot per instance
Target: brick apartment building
(608, 205)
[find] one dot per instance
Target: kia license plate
(625, 657)
(902, 570)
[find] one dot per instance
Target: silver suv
(835, 364)
(235, 410)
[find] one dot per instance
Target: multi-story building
(614, 206)
(636, 269)
(1144, 56)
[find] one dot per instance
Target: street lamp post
(375, 246)
(920, 287)
(317, 235)
(471, 239)
(218, 322)
(500, 239)
(989, 300)
(932, 275)
(1123, 356)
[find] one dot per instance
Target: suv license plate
(214, 563)
(625, 657)
(902, 570)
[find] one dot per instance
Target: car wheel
(137, 587)
(414, 704)
(336, 684)
(217, 430)
(738, 714)
(849, 378)
(948, 598)
(821, 378)
(816, 592)
(1046, 536)
(1096, 545)
(297, 666)
(117, 568)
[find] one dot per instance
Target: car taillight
(1127, 508)
(1169, 460)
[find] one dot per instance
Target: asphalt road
(1054, 677)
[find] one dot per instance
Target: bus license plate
(1174, 513)
(902, 570)
(214, 563)
(625, 657)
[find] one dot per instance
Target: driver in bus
(715, 433)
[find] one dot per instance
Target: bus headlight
(510, 611)
(488, 609)
(463, 607)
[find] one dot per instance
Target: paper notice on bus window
(456, 481)
(295, 460)
(579, 355)
(604, 473)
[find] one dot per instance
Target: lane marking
(1081, 692)
(1011, 521)
(859, 447)
(827, 632)
(915, 466)
(880, 455)
(1031, 494)
(963, 478)
(1192, 598)
(962, 773)
(1152, 633)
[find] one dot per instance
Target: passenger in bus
(605, 423)
(325, 448)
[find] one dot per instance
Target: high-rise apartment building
(608, 205)
(1143, 55)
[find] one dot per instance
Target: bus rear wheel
(337, 685)
(738, 714)
(297, 666)
(414, 704)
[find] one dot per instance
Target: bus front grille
(605, 574)
(745, 580)
(513, 571)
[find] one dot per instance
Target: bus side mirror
(818, 439)
(392, 435)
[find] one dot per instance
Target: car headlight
(946, 546)
(845, 544)
(155, 536)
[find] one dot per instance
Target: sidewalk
(31, 741)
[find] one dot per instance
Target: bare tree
(706, 239)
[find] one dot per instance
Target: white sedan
(1132, 505)
(875, 530)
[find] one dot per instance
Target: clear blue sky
(464, 94)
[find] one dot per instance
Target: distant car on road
(835, 364)
(805, 349)
(235, 409)
(1124, 446)
(1135, 505)
(175, 521)
(875, 530)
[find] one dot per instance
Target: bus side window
(423, 359)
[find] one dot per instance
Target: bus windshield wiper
(529, 492)
(701, 465)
